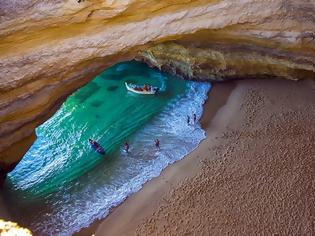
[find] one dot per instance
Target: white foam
(82, 206)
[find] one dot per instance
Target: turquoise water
(62, 184)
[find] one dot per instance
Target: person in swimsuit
(126, 147)
(157, 143)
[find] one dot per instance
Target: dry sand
(253, 175)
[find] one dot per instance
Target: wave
(143, 163)
(68, 187)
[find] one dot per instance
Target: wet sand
(254, 174)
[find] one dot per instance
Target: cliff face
(220, 60)
(50, 48)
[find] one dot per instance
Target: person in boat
(126, 147)
(93, 142)
(146, 87)
(97, 146)
(195, 118)
(157, 143)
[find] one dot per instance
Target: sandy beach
(253, 174)
(81, 154)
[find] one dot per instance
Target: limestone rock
(50, 48)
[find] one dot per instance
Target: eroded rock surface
(221, 61)
(50, 48)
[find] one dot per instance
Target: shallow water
(62, 184)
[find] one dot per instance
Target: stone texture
(11, 228)
(221, 61)
(50, 48)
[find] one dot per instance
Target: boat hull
(131, 89)
(98, 149)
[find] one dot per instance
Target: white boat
(140, 89)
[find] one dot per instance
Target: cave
(50, 49)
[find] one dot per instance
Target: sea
(62, 184)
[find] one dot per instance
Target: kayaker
(97, 147)
(100, 150)
(94, 143)
(157, 143)
(126, 147)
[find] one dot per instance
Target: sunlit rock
(8, 228)
(48, 49)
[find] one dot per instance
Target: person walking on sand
(157, 143)
(126, 147)
(188, 119)
(195, 118)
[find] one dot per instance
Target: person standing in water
(126, 147)
(157, 143)
(188, 119)
(195, 118)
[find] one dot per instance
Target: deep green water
(62, 184)
(102, 110)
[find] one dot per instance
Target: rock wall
(50, 48)
(11, 228)
(217, 60)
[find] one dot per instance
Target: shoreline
(252, 174)
(155, 188)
